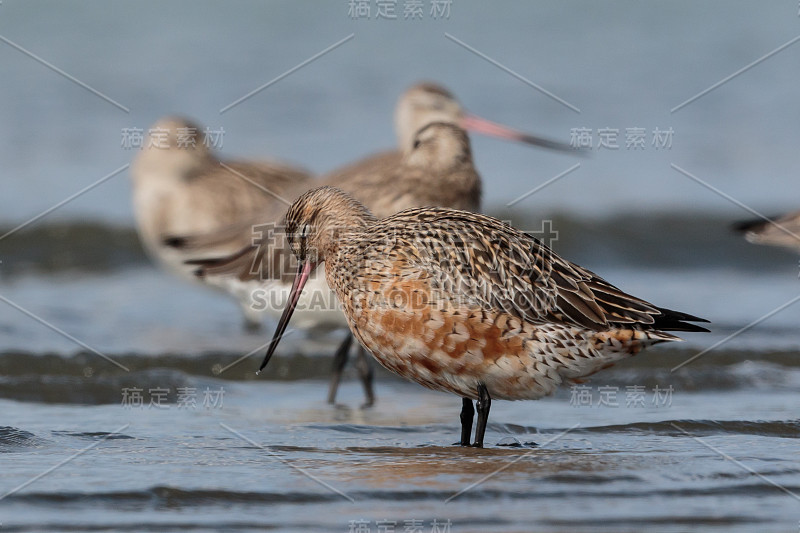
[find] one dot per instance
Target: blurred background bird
(181, 187)
(782, 230)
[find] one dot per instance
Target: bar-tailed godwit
(181, 188)
(464, 303)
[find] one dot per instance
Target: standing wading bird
(180, 187)
(433, 166)
(464, 303)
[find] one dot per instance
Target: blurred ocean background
(719, 452)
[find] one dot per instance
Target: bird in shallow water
(432, 166)
(464, 303)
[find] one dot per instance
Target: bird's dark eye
(417, 142)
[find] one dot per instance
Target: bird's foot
(368, 404)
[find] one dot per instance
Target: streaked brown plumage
(464, 303)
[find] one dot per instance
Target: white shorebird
(180, 187)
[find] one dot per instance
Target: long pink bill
(493, 129)
(304, 270)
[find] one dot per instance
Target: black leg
(365, 372)
(467, 412)
(339, 360)
(483, 405)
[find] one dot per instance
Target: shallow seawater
(636, 448)
(129, 401)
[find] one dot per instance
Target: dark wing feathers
(228, 237)
(745, 226)
(670, 320)
(589, 300)
(513, 272)
(575, 309)
(234, 264)
(266, 259)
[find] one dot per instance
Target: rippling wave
(697, 428)
(84, 378)
(14, 439)
(171, 497)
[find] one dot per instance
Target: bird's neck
(342, 255)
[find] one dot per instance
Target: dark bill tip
(493, 129)
(304, 270)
